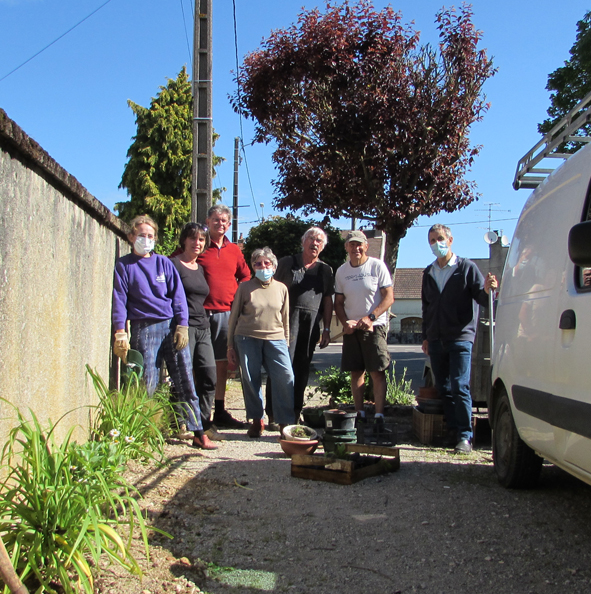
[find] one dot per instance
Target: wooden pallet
(318, 467)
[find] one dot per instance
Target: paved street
(404, 355)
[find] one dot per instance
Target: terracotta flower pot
(298, 447)
(430, 392)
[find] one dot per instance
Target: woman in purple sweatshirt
(147, 291)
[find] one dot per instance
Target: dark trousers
(204, 370)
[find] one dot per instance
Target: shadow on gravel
(434, 526)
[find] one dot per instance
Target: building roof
(407, 283)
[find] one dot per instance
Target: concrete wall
(58, 246)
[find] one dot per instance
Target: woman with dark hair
(259, 331)
(193, 241)
(147, 291)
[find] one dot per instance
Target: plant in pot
(298, 439)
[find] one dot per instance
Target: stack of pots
(339, 428)
(429, 401)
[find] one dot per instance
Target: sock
(219, 406)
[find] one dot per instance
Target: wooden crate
(428, 429)
(333, 470)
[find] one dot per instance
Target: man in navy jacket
(452, 289)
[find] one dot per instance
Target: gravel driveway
(441, 524)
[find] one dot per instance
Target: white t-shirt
(361, 287)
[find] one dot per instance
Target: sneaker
(227, 421)
(256, 429)
(213, 434)
(181, 432)
(463, 447)
(203, 443)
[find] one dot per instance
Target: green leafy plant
(398, 391)
(137, 422)
(336, 384)
(58, 508)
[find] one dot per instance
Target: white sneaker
(213, 434)
(182, 432)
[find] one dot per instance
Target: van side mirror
(579, 244)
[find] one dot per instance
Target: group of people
(202, 310)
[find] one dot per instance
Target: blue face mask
(264, 274)
(440, 249)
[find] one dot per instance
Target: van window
(583, 275)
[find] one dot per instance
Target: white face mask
(440, 249)
(143, 245)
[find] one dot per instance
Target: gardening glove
(121, 345)
(181, 337)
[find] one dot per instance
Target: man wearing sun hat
(363, 295)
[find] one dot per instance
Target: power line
(186, 34)
(54, 41)
(469, 222)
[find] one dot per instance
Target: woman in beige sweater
(258, 335)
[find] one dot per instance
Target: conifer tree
(157, 175)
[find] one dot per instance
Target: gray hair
(265, 252)
(316, 232)
(220, 209)
(438, 228)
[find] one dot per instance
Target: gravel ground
(440, 524)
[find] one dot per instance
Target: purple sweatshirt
(148, 289)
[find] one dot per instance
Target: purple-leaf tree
(367, 123)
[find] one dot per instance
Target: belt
(214, 311)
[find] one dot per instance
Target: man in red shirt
(224, 267)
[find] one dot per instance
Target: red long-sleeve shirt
(224, 268)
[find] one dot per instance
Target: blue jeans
(273, 355)
(154, 340)
(450, 363)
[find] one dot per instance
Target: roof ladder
(528, 175)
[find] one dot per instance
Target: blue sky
(72, 98)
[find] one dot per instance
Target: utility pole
(202, 112)
(235, 192)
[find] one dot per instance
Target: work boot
(256, 428)
(225, 420)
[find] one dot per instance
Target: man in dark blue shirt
(452, 289)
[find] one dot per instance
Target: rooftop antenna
(490, 210)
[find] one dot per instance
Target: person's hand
(232, 357)
(181, 337)
(490, 282)
(121, 345)
(325, 338)
(350, 327)
(365, 324)
(425, 347)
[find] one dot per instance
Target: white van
(540, 403)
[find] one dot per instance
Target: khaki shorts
(365, 351)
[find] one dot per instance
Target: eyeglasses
(265, 264)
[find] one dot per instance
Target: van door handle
(568, 320)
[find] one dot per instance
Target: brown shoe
(281, 434)
(203, 443)
(256, 429)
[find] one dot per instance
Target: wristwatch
(371, 317)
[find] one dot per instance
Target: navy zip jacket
(453, 313)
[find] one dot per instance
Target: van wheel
(516, 464)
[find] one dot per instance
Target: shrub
(136, 421)
(58, 506)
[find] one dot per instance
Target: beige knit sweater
(260, 311)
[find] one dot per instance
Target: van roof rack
(529, 176)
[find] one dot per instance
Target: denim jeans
(154, 340)
(450, 363)
(273, 355)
